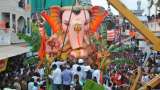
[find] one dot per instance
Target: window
(6, 18)
(21, 3)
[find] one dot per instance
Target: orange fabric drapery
(42, 49)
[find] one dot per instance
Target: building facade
(15, 18)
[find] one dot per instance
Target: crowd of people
(72, 75)
(65, 75)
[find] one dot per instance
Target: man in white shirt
(56, 76)
(58, 63)
(31, 84)
(80, 63)
(35, 87)
(79, 69)
(41, 72)
(96, 74)
(145, 78)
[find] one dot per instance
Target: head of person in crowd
(104, 81)
(88, 72)
(16, 79)
(95, 67)
(95, 79)
(80, 61)
(38, 80)
(32, 80)
(36, 74)
(109, 84)
(35, 84)
(44, 83)
(62, 67)
(54, 66)
(78, 68)
(76, 77)
(56, 59)
(68, 66)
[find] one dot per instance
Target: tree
(33, 42)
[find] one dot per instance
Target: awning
(13, 50)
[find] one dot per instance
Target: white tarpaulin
(12, 50)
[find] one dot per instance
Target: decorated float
(80, 31)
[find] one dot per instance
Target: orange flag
(42, 49)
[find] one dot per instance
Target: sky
(131, 4)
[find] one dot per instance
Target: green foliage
(91, 85)
(33, 40)
(32, 60)
(103, 33)
(101, 43)
(120, 49)
(110, 25)
(121, 61)
(9, 68)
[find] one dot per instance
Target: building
(15, 17)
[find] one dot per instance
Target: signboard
(3, 65)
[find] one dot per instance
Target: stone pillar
(16, 22)
(10, 21)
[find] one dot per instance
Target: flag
(42, 49)
(112, 34)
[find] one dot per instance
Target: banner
(3, 64)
